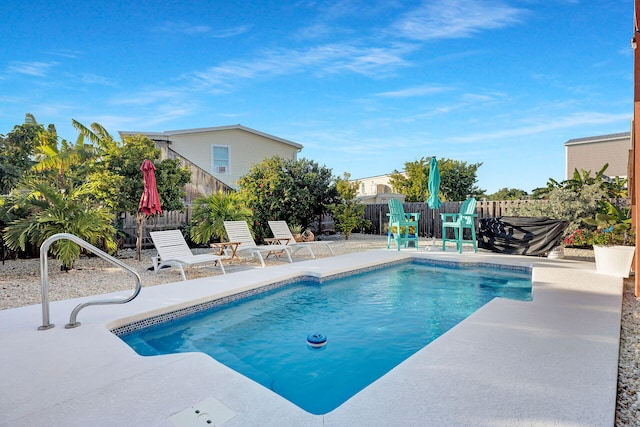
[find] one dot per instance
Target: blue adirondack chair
(403, 227)
(466, 218)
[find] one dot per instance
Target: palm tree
(63, 159)
(96, 134)
(51, 211)
(210, 212)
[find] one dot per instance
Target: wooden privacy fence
(167, 221)
(429, 224)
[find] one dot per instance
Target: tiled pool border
(176, 314)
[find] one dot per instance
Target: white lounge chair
(281, 230)
(174, 251)
(238, 231)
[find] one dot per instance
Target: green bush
(564, 203)
(295, 191)
(210, 212)
(46, 210)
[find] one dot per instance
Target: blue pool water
(372, 322)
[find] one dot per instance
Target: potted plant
(296, 232)
(307, 236)
(613, 241)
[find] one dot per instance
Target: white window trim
(215, 168)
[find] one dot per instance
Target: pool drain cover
(209, 412)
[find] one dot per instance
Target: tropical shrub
(563, 203)
(348, 212)
(48, 211)
(117, 180)
(614, 189)
(614, 236)
(612, 226)
(210, 212)
(17, 150)
(457, 180)
(295, 191)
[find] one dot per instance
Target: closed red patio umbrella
(149, 202)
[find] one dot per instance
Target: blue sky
(365, 85)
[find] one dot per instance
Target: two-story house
(376, 190)
(225, 152)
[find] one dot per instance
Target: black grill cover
(521, 235)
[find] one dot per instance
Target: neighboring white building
(226, 152)
(591, 154)
(376, 190)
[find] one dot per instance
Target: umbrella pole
(433, 230)
(139, 220)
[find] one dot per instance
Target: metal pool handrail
(44, 272)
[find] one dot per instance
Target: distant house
(376, 190)
(225, 152)
(591, 154)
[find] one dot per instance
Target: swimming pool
(372, 320)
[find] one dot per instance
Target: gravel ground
(20, 286)
(628, 399)
(20, 278)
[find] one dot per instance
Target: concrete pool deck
(549, 362)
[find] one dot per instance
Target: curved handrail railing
(44, 272)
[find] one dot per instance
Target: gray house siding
(592, 153)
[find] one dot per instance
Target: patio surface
(549, 362)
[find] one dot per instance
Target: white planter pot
(614, 260)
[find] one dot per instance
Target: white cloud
(445, 19)
(64, 53)
(316, 31)
(414, 91)
(439, 19)
(183, 28)
(38, 69)
(546, 125)
(94, 79)
(191, 29)
(149, 97)
(230, 32)
(144, 120)
(325, 59)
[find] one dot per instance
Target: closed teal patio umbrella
(433, 200)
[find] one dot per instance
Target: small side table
(221, 249)
(275, 241)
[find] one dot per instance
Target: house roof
(169, 133)
(387, 175)
(599, 138)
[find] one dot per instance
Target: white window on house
(362, 188)
(220, 159)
